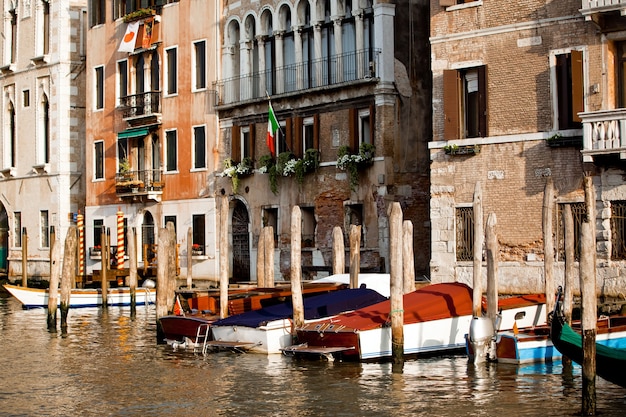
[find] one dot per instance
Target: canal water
(108, 364)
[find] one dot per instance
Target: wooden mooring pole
(568, 293)
(396, 313)
(53, 290)
(69, 273)
(408, 261)
(491, 244)
(189, 258)
(589, 301)
(105, 259)
(339, 252)
(223, 239)
(477, 272)
(132, 269)
(548, 243)
(260, 260)
(24, 257)
(355, 255)
(269, 256)
(296, 267)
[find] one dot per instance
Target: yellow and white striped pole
(80, 222)
(120, 239)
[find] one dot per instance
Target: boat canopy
(315, 307)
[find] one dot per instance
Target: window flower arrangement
(236, 171)
(139, 14)
(196, 249)
(353, 162)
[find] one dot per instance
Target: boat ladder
(202, 337)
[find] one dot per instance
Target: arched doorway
(4, 241)
(241, 243)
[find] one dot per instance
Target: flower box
(462, 150)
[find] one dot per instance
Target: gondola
(610, 361)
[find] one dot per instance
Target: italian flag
(272, 127)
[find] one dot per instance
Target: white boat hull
(38, 298)
(419, 338)
(268, 339)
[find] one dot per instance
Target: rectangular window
(569, 89)
(119, 8)
(618, 230)
(26, 98)
(171, 158)
(123, 155)
(246, 147)
(98, 228)
(465, 103)
(308, 227)
(464, 233)
(99, 88)
(17, 229)
(170, 219)
(308, 134)
(578, 214)
(199, 74)
(98, 160)
(365, 132)
(172, 69)
(198, 234)
(44, 228)
(97, 12)
(122, 84)
(270, 218)
(45, 30)
(199, 147)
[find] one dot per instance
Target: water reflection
(109, 364)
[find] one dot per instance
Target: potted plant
(353, 162)
(236, 171)
(196, 249)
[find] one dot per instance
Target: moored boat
(610, 345)
(202, 308)
(270, 329)
(436, 319)
(82, 297)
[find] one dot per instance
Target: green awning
(133, 133)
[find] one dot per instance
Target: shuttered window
(465, 103)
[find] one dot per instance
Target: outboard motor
(482, 339)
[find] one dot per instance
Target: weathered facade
(342, 75)
(152, 130)
(42, 113)
(522, 93)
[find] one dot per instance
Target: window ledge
(464, 6)
(7, 69)
(8, 172)
(39, 60)
(41, 169)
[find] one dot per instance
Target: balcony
(607, 14)
(348, 68)
(146, 184)
(604, 134)
(141, 108)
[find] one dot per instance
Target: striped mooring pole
(120, 239)
(80, 223)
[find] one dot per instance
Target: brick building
(522, 93)
(343, 75)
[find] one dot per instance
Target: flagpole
(269, 99)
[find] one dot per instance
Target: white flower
(229, 172)
(290, 167)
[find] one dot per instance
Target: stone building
(42, 114)
(152, 129)
(343, 77)
(524, 93)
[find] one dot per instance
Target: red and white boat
(436, 319)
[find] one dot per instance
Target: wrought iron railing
(333, 70)
(139, 181)
(142, 104)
